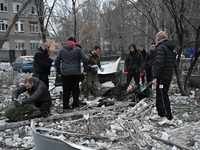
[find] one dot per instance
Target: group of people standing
(157, 64)
(138, 63)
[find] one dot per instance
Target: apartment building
(25, 34)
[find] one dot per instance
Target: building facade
(25, 34)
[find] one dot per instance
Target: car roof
(25, 56)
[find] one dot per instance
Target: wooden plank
(60, 116)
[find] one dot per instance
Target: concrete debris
(118, 128)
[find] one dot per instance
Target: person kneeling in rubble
(36, 105)
(132, 94)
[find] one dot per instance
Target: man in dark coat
(162, 74)
(38, 94)
(71, 55)
(42, 64)
(144, 53)
(149, 62)
(132, 65)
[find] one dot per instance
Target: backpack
(19, 112)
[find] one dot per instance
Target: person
(42, 64)
(162, 74)
(71, 56)
(144, 53)
(91, 78)
(133, 61)
(149, 62)
(38, 94)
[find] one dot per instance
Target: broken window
(3, 25)
(19, 26)
(19, 44)
(3, 5)
(32, 9)
(33, 27)
(16, 6)
(34, 44)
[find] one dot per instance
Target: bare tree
(12, 22)
(42, 15)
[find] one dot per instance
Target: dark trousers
(162, 98)
(143, 78)
(70, 84)
(44, 106)
(136, 76)
(149, 75)
(43, 77)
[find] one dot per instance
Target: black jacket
(149, 60)
(144, 53)
(164, 60)
(42, 62)
(39, 93)
(133, 61)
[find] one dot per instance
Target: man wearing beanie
(132, 65)
(71, 56)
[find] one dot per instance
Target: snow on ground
(122, 128)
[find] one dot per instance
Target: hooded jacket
(42, 62)
(134, 60)
(71, 56)
(164, 60)
(39, 92)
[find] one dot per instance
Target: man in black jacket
(144, 53)
(71, 55)
(162, 74)
(42, 64)
(38, 94)
(132, 65)
(149, 62)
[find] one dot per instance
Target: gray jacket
(71, 56)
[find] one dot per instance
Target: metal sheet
(48, 143)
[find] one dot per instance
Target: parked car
(23, 64)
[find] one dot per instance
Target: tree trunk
(74, 13)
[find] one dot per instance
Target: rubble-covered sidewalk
(114, 127)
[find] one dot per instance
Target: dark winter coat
(149, 60)
(133, 60)
(144, 53)
(71, 56)
(164, 60)
(42, 62)
(39, 93)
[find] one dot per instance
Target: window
(3, 6)
(33, 44)
(56, 48)
(19, 44)
(16, 6)
(19, 26)
(32, 9)
(6, 45)
(33, 27)
(3, 25)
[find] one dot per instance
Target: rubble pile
(118, 128)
